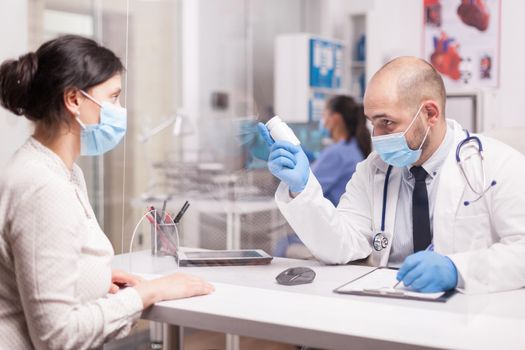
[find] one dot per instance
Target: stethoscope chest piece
(380, 242)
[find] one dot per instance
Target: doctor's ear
(432, 111)
(72, 100)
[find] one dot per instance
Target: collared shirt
(55, 260)
(403, 244)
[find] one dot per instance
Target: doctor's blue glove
(286, 161)
(428, 272)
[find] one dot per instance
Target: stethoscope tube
(385, 193)
(380, 240)
(465, 142)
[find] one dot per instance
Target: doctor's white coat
(485, 240)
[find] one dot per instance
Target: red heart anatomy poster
(461, 40)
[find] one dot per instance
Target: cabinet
(356, 39)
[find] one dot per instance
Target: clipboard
(379, 283)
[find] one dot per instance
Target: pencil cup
(165, 240)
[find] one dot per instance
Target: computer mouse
(296, 275)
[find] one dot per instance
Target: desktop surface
(248, 301)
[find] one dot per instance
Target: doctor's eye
(386, 122)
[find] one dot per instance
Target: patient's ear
(72, 100)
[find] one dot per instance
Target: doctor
(447, 217)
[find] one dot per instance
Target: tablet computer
(224, 257)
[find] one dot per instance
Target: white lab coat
(485, 240)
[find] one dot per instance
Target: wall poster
(462, 39)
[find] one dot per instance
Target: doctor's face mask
(394, 149)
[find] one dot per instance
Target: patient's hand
(121, 279)
(174, 286)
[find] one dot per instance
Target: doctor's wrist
(454, 273)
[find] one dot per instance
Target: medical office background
(201, 73)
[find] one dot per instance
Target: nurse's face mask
(323, 130)
(394, 149)
(97, 139)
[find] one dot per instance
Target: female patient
(54, 258)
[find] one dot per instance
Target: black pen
(181, 212)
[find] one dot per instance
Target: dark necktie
(420, 212)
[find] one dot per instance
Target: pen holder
(165, 240)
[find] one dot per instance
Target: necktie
(420, 213)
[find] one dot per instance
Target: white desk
(249, 302)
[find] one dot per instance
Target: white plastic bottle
(280, 131)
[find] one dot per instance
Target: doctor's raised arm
(444, 205)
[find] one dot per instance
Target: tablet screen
(223, 254)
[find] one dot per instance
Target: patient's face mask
(394, 149)
(97, 139)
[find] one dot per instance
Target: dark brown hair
(34, 85)
(354, 119)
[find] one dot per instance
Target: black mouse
(296, 275)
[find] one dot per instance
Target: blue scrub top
(335, 166)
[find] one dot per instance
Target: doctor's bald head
(408, 95)
(408, 81)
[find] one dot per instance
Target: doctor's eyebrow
(379, 116)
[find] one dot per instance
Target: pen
(395, 285)
(150, 216)
(181, 212)
(151, 211)
(158, 217)
(152, 220)
(163, 208)
(430, 248)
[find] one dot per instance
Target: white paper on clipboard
(381, 281)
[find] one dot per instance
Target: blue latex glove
(286, 161)
(428, 272)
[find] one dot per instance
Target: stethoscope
(380, 241)
(473, 141)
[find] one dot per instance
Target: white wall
(505, 107)
(271, 18)
(214, 60)
(394, 29)
(14, 38)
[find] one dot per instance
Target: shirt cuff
(470, 274)
(461, 281)
(131, 302)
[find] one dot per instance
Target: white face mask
(393, 148)
(97, 139)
